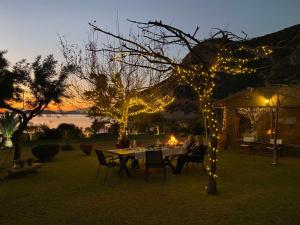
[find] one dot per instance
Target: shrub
(69, 131)
(45, 153)
(48, 133)
(87, 148)
(63, 131)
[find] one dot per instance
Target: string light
(202, 81)
(128, 106)
(253, 114)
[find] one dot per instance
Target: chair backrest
(101, 157)
(139, 144)
(278, 141)
(189, 148)
(154, 158)
(248, 139)
(199, 151)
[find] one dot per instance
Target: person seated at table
(188, 143)
(192, 152)
(187, 148)
(198, 149)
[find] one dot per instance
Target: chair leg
(187, 167)
(164, 174)
(106, 174)
(98, 171)
(146, 175)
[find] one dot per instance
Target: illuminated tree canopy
(117, 88)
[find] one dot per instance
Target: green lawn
(66, 191)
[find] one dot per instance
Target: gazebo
(272, 113)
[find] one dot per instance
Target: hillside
(283, 68)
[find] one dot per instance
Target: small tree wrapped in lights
(118, 85)
(217, 55)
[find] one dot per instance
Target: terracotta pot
(7, 142)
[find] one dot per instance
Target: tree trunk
(16, 138)
(213, 147)
(157, 130)
(17, 144)
(275, 158)
(212, 184)
(122, 128)
(124, 119)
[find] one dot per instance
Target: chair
(154, 159)
(247, 144)
(270, 147)
(103, 162)
(196, 158)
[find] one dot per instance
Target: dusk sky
(31, 27)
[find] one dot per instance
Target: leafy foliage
(69, 131)
(40, 81)
(63, 131)
(97, 125)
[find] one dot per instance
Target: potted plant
(8, 125)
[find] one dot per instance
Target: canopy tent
(281, 106)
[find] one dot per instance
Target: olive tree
(42, 84)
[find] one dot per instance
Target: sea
(53, 120)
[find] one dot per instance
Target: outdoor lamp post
(274, 121)
(275, 159)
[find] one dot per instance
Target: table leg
(123, 166)
(168, 162)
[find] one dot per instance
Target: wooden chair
(154, 159)
(111, 163)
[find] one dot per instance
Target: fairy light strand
(226, 62)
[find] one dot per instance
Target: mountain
(283, 66)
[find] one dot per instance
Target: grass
(66, 191)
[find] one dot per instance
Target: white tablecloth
(140, 154)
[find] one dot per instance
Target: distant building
(258, 106)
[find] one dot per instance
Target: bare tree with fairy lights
(222, 53)
(118, 85)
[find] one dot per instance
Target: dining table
(137, 153)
